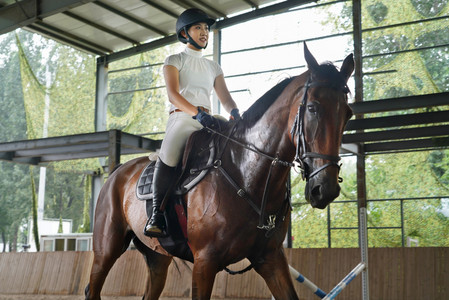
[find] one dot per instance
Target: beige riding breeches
(179, 127)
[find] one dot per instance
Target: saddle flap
(198, 155)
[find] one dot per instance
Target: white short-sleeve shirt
(196, 76)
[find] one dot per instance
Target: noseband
(298, 130)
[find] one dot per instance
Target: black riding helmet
(188, 18)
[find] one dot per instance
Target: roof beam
(56, 32)
(251, 3)
(130, 18)
(101, 28)
(138, 49)
(261, 12)
(200, 4)
(25, 12)
(272, 9)
(64, 40)
(183, 4)
(161, 8)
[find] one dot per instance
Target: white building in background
(66, 242)
(46, 227)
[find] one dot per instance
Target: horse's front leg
(203, 277)
(275, 272)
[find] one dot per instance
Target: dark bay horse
(244, 216)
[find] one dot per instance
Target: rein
(271, 222)
(229, 138)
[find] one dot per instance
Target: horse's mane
(325, 72)
(259, 107)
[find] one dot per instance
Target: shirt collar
(193, 53)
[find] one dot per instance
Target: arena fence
(394, 273)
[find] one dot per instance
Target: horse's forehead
(328, 96)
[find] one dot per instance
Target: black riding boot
(162, 179)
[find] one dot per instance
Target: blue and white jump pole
(336, 290)
(339, 287)
(361, 267)
(299, 277)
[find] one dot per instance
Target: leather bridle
(301, 154)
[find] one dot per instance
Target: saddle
(200, 153)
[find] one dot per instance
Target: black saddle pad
(144, 189)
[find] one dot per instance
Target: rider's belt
(178, 110)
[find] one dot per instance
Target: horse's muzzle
(320, 193)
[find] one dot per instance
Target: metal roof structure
(110, 144)
(109, 26)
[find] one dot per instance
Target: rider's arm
(223, 94)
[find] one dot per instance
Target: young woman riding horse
(189, 78)
(301, 121)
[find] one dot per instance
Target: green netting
(408, 59)
(138, 102)
(71, 102)
(33, 94)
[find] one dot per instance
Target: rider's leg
(179, 127)
(162, 179)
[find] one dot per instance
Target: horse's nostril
(316, 191)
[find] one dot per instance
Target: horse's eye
(312, 108)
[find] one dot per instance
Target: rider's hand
(205, 119)
(235, 114)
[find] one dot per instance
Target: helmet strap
(192, 41)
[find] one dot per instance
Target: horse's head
(319, 119)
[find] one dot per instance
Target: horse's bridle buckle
(271, 223)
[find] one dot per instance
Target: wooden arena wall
(394, 273)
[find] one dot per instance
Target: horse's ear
(347, 67)
(312, 64)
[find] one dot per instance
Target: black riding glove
(235, 114)
(205, 119)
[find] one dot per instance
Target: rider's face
(199, 33)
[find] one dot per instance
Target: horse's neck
(268, 136)
(271, 131)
